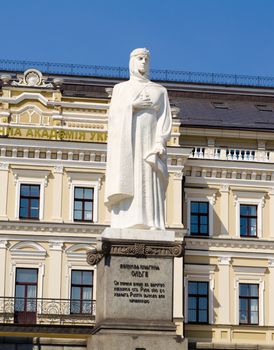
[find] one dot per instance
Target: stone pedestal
(134, 302)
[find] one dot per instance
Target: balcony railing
(230, 154)
(41, 311)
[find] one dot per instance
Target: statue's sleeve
(164, 123)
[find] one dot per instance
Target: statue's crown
(140, 51)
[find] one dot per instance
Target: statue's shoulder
(122, 85)
(159, 87)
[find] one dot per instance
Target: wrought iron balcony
(41, 311)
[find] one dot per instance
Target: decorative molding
(58, 169)
(32, 78)
(271, 263)
(28, 250)
(136, 249)
(178, 175)
(51, 229)
(56, 246)
(109, 91)
(30, 174)
(224, 260)
(4, 166)
(230, 243)
(224, 188)
(3, 244)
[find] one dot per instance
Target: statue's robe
(136, 178)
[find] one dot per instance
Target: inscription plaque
(139, 288)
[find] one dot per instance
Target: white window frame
(85, 184)
(30, 177)
(249, 198)
(194, 195)
(28, 265)
(74, 266)
(89, 180)
(250, 275)
(200, 273)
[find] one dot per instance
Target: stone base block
(117, 340)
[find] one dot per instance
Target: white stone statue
(138, 129)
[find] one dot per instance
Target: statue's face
(142, 63)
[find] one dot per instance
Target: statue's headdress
(140, 51)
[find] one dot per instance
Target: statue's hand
(159, 149)
(142, 102)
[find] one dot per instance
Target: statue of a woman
(138, 129)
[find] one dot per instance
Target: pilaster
(55, 269)
(270, 295)
(224, 290)
(3, 253)
(224, 213)
(57, 198)
(177, 200)
(4, 173)
(271, 211)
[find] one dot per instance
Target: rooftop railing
(123, 73)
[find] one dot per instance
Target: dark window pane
(79, 192)
(76, 277)
(34, 191)
(77, 215)
(25, 190)
(87, 277)
(24, 202)
(20, 291)
(78, 205)
(194, 228)
(88, 193)
(203, 220)
(88, 216)
(254, 318)
(202, 316)
(254, 290)
(26, 275)
(243, 304)
(192, 287)
(202, 303)
(192, 303)
(34, 214)
(194, 207)
(75, 293)
(244, 289)
(23, 213)
(203, 288)
(243, 317)
(192, 316)
(194, 219)
(203, 228)
(88, 206)
(203, 207)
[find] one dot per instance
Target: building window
(248, 220)
(199, 218)
(249, 303)
(25, 295)
(29, 201)
(81, 292)
(83, 204)
(198, 302)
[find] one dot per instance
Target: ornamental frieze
(136, 249)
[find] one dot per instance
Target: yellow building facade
(220, 203)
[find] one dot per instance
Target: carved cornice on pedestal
(135, 249)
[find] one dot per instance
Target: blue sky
(229, 36)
